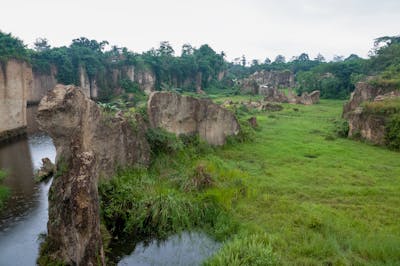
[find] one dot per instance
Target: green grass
(294, 195)
(4, 191)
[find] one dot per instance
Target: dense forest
(203, 67)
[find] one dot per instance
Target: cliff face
(90, 145)
(187, 115)
(367, 125)
(42, 83)
(15, 82)
(268, 79)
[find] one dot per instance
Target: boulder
(188, 115)
(46, 171)
(273, 107)
(309, 99)
(272, 79)
(90, 144)
(363, 123)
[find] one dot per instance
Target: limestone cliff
(267, 79)
(188, 115)
(42, 83)
(90, 145)
(362, 123)
(15, 82)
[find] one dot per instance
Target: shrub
(4, 191)
(162, 141)
(341, 128)
(392, 136)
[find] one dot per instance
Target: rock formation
(46, 171)
(90, 145)
(188, 115)
(364, 124)
(275, 95)
(267, 79)
(15, 82)
(42, 83)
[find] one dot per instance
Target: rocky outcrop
(363, 123)
(367, 126)
(15, 82)
(188, 115)
(275, 95)
(257, 82)
(363, 92)
(144, 77)
(90, 145)
(308, 99)
(46, 171)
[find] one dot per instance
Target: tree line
(203, 66)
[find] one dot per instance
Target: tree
(41, 44)
(243, 60)
(320, 58)
(165, 49)
(267, 61)
(187, 49)
(280, 59)
(338, 58)
(303, 57)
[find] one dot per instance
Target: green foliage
(47, 247)
(385, 107)
(137, 204)
(162, 141)
(392, 136)
(245, 250)
(341, 128)
(4, 191)
(12, 48)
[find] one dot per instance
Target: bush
(248, 250)
(392, 136)
(341, 128)
(162, 141)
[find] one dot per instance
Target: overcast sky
(254, 28)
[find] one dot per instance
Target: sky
(254, 28)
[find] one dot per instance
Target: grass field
(296, 194)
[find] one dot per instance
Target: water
(178, 250)
(25, 215)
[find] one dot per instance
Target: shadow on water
(25, 214)
(188, 248)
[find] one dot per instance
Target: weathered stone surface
(257, 82)
(90, 144)
(42, 83)
(15, 82)
(367, 126)
(273, 107)
(47, 169)
(272, 94)
(364, 92)
(364, 124)
(74, 221)
(308, 99)
(188, 115)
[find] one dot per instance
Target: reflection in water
(185, 249)
(25, 215)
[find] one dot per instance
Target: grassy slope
(294, 196)
(320, 201)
